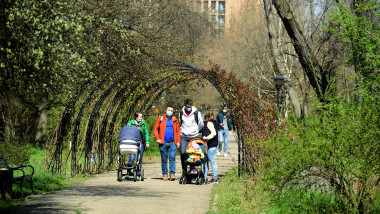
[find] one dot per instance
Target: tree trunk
(278, 63)
(41, 135)
(317, 77)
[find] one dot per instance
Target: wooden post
(6, 177)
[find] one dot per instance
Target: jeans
(132, 157)
(168, 148)
(223, 136)
(211, 159)
(184, 142)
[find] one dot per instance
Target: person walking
(140, 123)
(191, 122)
(167, 134)
(224, 119)
(209, 134)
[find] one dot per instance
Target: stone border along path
(104, 194)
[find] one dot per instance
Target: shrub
(335, 152)
(15, 153)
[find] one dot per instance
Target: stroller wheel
(134, 175)
(184, 180)
(197, 181)
(119, 175)
(180, 180)
(202, 180)
(142, 175)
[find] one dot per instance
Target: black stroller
(130, 143)
(194, 169)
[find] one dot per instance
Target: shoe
(225, 154)
(127, 177)
(212, 181)
(218, 154)
(172, 177)
(165, 178)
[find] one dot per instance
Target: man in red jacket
(167, 133)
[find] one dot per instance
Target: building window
(221, 21)
(221, 7)
(205, 5)
(213, 19)
(213, 7)
(220, 34)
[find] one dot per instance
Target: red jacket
(160, 127)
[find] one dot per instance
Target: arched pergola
(89, 127)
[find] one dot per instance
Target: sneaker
(225, 154)
(212, 181)
(127, 176)
(172, 177)
(218, 153)
(165, 178)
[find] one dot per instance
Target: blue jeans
(211, 159)
(184, 142)
(168, 148)
(223, 137)
(133, 156)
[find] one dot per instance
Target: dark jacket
(213, 142)
(219, 119)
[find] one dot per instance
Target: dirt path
(103, 194)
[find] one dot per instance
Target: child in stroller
(197, 150)
(130, 142)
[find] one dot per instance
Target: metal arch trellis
(154, 89)
(184, 67)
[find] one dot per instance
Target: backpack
(196, 115)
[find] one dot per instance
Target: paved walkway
(103, 194)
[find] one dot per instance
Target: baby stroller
(197, 150)
(130, 143)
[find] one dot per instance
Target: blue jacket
(130, 133)
(219, 119)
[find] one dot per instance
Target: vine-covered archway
(92, 117)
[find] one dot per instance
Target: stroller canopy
(130, 133)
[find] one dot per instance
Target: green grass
(43, 182)
(243, 195)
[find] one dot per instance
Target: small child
(195, 153)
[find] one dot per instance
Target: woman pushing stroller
(140, 123)
(209, 133)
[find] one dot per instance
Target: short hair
(137, 115)
(209, 115)
(188, 101)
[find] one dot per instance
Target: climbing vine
(91, 120)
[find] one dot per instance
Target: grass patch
(244, 195)
(230, 195)
(43, 182)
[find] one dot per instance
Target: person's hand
(147, 145)
(221, 124)
(204, 138)
(159, 141)
(178, 145)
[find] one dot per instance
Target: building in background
(221, 12)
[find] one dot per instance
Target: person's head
(225, 109)
(169, 111)
(188, 104)
(138, 116)
(209, 115)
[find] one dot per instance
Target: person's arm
(155, 130)
(129, 123)
(210, 127)
(146, 133)
(177, 133)
(200, 121)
